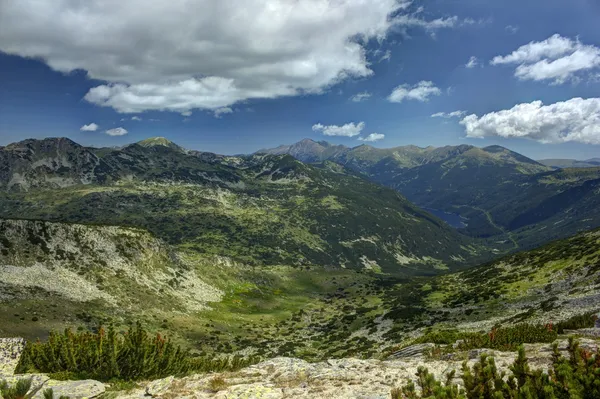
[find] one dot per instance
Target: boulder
(73, 389)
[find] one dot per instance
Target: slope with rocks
(56, 275)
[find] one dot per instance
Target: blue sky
(260, 73)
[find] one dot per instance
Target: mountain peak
(159, 142)
(152, 141)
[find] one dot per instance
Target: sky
(234, 76)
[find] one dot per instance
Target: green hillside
(259, 210)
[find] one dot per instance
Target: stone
(10, 353)
(159, 387)
(83, 389)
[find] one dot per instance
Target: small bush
(217, 384)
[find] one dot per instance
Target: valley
(505, 196)
(262, 255)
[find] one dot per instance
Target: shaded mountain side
(260, 210)
(49, 162)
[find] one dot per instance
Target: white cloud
(204, 54)
(373, 137)
(118, 131)
(219, 112)
(412, 20)
(348, 130)
(136, 118)
(557, 59)
(359, 97)
(386, 56)
(92, 127)
(511, 29)
(473, 62)
(448, 115)
(576, 120)
(420, 92)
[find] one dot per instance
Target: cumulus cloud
(473, 62)
(204, 54)
(511, 29)
(136, 118)
(557, 59)
(118, 131)
(373, 137)
(448, 115)
(348, 130)
(359, 97)
(219, 112)
(420, 92)
(92, 127)
(576, 120)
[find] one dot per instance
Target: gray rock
(73, 389)
(412, 351)
(10, 353)
(158, 387)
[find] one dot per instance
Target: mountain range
(570, 163)
(499, 193)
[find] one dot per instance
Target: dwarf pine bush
(574, 377)
(107, 355)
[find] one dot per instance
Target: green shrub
(509, 338)
(585, 320)
(108, 355)
(574, 377)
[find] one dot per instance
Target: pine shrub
(107, 355)
(586, 320)
(510, 338)
(574, 377)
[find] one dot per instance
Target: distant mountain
(260, 209)
(570, 163)
(500, 194)
(308, 150)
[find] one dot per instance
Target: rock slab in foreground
(73, 389)
(283, 378)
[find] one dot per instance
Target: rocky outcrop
(84, 263)
(340, 378)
